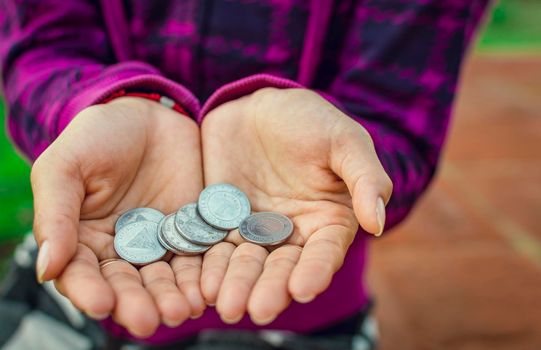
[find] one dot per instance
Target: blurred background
(464, 271)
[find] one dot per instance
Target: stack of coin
(144, 235)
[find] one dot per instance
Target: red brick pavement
(464, 271)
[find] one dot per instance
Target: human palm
(291, 152)
(111, 158)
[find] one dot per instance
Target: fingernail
(172, 324)
(380, 215)
(231, 320)
(197, 316)
(263, 322)
(43, 260)
(305, 299)
(97, 317)
(140, 335)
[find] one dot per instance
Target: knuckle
(131, 279)
(212, 272)
(281, 262)
(157, 281)
(186, 283)
(319, 264)
(187, 268)
(240, 281)
(368, 179)
(37, 169)
(331, 248)
(363, 132)
(155, 268)
(52, 162)
(297, 240)
(221, 250)
(244, 259)
(388, 184)
(250, 250)
(350, 132)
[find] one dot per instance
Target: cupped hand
(128, 153)
(291, 152)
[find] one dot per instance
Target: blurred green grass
(513, 25)
(15, 193)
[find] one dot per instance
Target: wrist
(151, 99)
(138, 104)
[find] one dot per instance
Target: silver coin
(138, 214)
(162, 240)
(266, 228)
(175, 240)
(137, 243)
(192, 227)
(223, 206)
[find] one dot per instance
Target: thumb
(58, 193)
(354, 159)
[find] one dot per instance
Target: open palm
(291, 152)
(111, 158)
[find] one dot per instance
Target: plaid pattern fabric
(392, 65)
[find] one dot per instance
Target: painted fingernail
(97, 317)
(380, 215)
(305, 299)
(43, 260)
(231, 320)
(263, 322)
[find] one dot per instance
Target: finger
(58, 193)
(270, 295)
(159, 281)
(135, 308)
(322, 256)
(354, 159)
(234, 237)
(82, 283)
(187, 272)
(245, 267)
(215, 263)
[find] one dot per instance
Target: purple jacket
(392, 65)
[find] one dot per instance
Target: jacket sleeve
(56, 60)
(395, 72)
(397, 76)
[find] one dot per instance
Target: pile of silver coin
(144, 235)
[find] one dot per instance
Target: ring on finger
(107, 262)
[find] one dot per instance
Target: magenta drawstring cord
(320, 13)
(117, 28)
